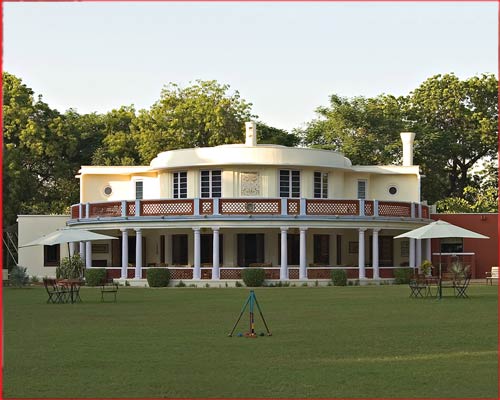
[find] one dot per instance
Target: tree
(200, 115)
(120, 141)
(268, 135)
(366, 130)
(456, 125)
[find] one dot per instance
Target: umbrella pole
(440, 274)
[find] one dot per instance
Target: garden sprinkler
(252, 300)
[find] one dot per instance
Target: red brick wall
(486, 249)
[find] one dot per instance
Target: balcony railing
(247, 207)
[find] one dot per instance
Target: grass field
(327, 342)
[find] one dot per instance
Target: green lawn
(327, 342)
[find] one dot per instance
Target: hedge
(94, 276)
(402, 275)
(253, 276)
(339, 277)
(158, 277)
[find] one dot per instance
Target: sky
(284, 58)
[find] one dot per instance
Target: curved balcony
(258, 207)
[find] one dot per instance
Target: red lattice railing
(230, 273)
(75, 212)
(272, 273)
(130, 208)
(293, 207)
(206, 207)
(332, 207)
(254, 206)
(394, 209)
(368, 207)
(319, 273)
(166, 207)
(109, 209)
(293, 273)
(181, 273)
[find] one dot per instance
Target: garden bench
(108, 286)
(493, 274)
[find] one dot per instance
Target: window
(321, 249)
(211, 183)
(51, 255)
(452, 245)
(289, 183)
(362, 189)
(107, 190)
(393, 190)
(180, 185)
(179, 249)
(139, 190)
(320, 185)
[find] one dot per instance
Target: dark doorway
(179, 249)
(250, 248)
(385, 251)
(207, 248)
(292, 247)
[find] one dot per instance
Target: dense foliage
(402, 275)
(253, 277)
(18, 276)
(339, 277)
(70, 268)
(95, 276)
(158, 277)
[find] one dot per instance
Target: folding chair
(416, 287)
(461, 287)
(108, 287)
(56, 293)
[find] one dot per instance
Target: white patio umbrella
(437, 230)
(67, 235)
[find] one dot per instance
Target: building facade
(206, 213)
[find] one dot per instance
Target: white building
(205, 213)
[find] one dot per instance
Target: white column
(124, 253)
(418, 251)
(428, 250)
(361, 253)
(303, 256)
(375, 261)
(197, 254)
(138, 253)
(215, 258)
(284, 254)
(72, 249)
(88, 254)
(82, 250)
(411, 260)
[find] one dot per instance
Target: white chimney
(407, 139)
(251, 134)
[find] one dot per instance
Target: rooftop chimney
(251, 134)
(407, 139)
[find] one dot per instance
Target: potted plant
(426, 268)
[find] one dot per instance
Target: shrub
(18, 276)
(253, 277)
(35, 279)
(238, 284)
(402, 275)
(180, 284)
(339, 277)
(70, 268)
(158, 277)
(94, 276)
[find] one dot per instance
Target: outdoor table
(74, 288)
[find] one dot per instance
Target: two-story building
(206, 213)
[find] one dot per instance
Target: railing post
(361, 207)
(137, 208)
(284, 206)
(80, 210)
(412, 209)
(420, 210)
(216, 206)
(124, 208)
(375, 208)
(303, 206)
(196, 203)
(87, 210)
